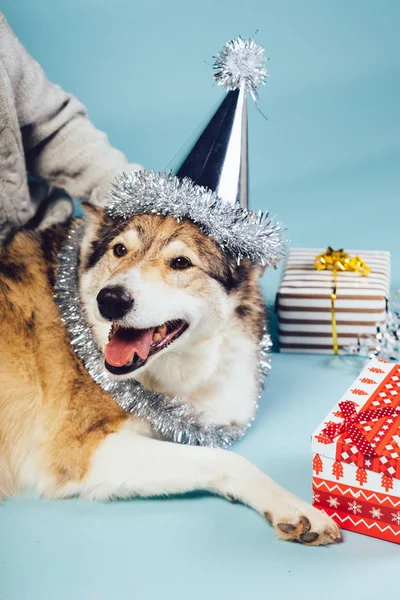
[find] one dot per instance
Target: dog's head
(152, 286)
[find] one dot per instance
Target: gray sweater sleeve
(61, 145)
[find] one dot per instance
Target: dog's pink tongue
(125, 343)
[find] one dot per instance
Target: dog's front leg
(128, 464)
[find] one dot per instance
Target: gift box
(310, 320)
(356, 455)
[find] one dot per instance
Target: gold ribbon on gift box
(339, 260)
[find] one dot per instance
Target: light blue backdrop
(327, 162)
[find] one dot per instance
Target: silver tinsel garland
(173, 418)
(241, 63)
(385, 342)
(240, 232)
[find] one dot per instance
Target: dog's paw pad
(305, 523)
(309, 536)
(286, 527)
(316, 530)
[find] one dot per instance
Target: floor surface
(199, 546)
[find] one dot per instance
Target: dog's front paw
(298, 521)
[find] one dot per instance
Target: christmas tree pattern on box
(356, 455)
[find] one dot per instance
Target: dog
(166, 307)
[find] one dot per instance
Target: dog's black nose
(114, 302)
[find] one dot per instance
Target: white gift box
(304, 301)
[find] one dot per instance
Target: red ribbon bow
(350, 417)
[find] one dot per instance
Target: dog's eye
(181, 263)
(119, 250)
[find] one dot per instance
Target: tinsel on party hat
(211, 186)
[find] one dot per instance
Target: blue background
(327, 163)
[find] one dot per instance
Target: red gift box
(356, 462)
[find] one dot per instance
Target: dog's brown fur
(62, 435)
(49, 404)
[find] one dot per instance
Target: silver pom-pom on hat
(241, 63)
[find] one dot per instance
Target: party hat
(218, 159)
(211, 186)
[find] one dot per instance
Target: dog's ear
(95, 214)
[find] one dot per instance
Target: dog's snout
(114, 302)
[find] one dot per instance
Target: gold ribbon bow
(339, 260)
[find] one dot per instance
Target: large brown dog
(167, 307)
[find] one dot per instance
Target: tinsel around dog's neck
(174, 418)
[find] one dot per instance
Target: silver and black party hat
(211, 186)
(218, 159)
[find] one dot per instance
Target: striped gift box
(304, 301)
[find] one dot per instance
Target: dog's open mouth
(129, 349)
